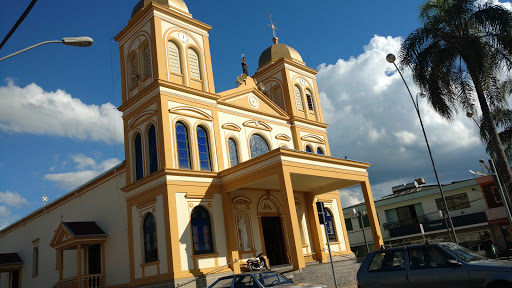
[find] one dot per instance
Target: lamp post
(391, 59)
(69, 41)
(357, 214)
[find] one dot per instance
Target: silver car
(258, 280)
(432, 265)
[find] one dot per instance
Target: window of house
(454, 202)
(310, 101)
(366, 221)
(134, 75)
(348, 224)
(233, 152)
(182, 140)
(193, 64)
(201, 231)
(174, 58)
(35, 261)
(149, 234)
(308, 149)
(258, 145)
(147, 61)
(331, 228)
(298, 98)
(319, 151)
(204, 149)
(153, 156)
(139, 171)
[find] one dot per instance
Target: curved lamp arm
(69, 41)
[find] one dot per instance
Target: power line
(18, 22)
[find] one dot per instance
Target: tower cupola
(177, 4)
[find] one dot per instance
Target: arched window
(149, 234)
(147, 61)
(233, 152)
(319, 151)
(201, 231)
(277, 97)
(182, 140)
(258, 145)
(139, 171)
(35, 262)
(330, 225)
(193, 64)
(298, 98)
(308, 149)
(134, 75)
(153, 156)
(203, 145)
(174, 58)
(309, 98)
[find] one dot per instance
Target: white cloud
(12, 199)
(32, 110)
(5, 217)
(505, 5)
(363, 98)
(86, 169)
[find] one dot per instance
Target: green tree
(457, 58)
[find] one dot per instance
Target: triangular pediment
(248, 97)
(61, 237)
(68, 234)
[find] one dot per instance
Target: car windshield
(465, 254)
(269, 279)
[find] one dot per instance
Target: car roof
(413, 246)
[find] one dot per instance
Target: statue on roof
(245, 69)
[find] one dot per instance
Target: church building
(210, 179)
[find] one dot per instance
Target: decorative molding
(191, 112)
(231, 126)
(283, 137)
(313, 138)
(141, 118)
(241, 200)
(257, 125)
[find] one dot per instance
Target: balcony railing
(417, 220)
(88, 281)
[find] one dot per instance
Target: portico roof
(10, 262)
(70, 234)
(308, 172)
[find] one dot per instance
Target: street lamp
(391, 59)
(69, 41)
(357, 214)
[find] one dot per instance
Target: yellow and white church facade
(210, 179)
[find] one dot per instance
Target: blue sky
(59, 126)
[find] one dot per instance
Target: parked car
(258, 280)
(432, 265)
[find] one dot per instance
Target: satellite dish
(472, 172)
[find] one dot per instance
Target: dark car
(433, 266)
(258, 280)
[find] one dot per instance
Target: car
(258, 280)
(432, 265)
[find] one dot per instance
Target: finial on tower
(274, 28)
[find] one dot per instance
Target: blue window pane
(153, 157)
(319, 151)
(259, 146)
(233, 152)
(201, 231)
(308, 149)
(183, 146)
(204, 149)
(150, 245)
(139, 173)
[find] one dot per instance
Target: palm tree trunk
(501, 159)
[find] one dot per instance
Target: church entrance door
(274, 240)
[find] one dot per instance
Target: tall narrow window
(134, 75)
(298, 98)
(35, 262)
(331, 229)
(139, 172)
(149, 234)
(193, 64)
(183, 146)
(153, 156)
(308, 149)
(203, 146)
(311, 106)
(319, 151)
(258, 145)
(174, 58)
(147, 61)
(201, 231)
(233, 152)
(277, 97)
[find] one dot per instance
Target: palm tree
(458, 57)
